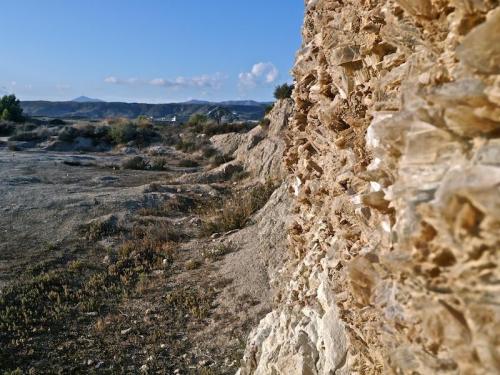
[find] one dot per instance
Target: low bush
(135, 163)
(67, 134)
(220, 159)
(159, 164)
(124, 131)
(283, 91)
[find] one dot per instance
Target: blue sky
(148, 50)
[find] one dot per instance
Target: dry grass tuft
(234, 211)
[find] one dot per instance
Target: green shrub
(283, 91)
(197, 119)
(10, 109)
(123, 132)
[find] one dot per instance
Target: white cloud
(4, 91)
(261, 73)
(213, 81)
(62, 87)
(118, 81)
(209, 81)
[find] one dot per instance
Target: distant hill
(85, 99)
(101, 110)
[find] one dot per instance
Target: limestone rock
(393, 156)
(260, 151)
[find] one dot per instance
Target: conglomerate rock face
(394, 156)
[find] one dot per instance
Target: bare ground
(135, 291)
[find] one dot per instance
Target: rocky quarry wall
(393, 155)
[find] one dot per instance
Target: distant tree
(197, 119)
(283, 91)
(10, 109)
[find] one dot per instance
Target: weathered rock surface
(394, 155)
(260, 150)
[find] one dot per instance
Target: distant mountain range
(95, 109)
(86, 99)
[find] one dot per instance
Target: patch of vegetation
(219, 159)
(193, 264)
(193, 301)
(10, 109)
(58, 315)
(97, 229)
(158, 164)
(176, 204)
(188, 163)
(217, 251)
(234, 211)
(123, 131)
(135, 163)
(265, 122)
(283, 91)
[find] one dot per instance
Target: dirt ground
(104, 270)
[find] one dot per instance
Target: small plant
(159, 164)
(283, 91)
(68, 134)
(135, 163)
(97, 230)
(234, 211)
(193, 264)
(217, 251)
(194, 302)
(265, 122)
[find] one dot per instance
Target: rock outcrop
(260, 151)
(394, 156)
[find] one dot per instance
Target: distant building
(167, 119)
